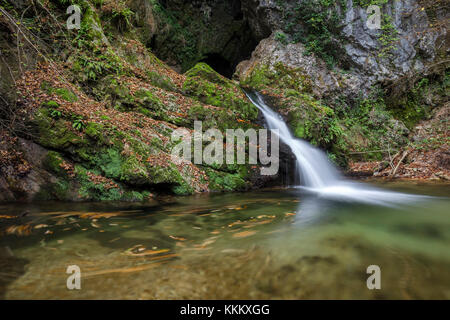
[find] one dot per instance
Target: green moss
(96, 131)
(66, 94)
(223, 181)
(411, 106)
(58, 190)
(110, 162)
(149, 101)
(51, 104)
(55, 134)
(182, 190)
(204, 71)
(203, 83)
(281, 37)
(134, 196)
(53, 161)
(161, 81)
(90, 190)
(278, 77)
(134, 172)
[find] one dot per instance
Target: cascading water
(316, 171)
(318, 174)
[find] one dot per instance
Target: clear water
(269, 244)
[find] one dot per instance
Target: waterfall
(316, 172)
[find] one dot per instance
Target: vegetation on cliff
(88, 113)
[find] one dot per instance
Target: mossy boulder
(203, 83)
(56, 134)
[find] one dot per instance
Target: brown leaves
(96, 215)
(244, 234)
(177, 238)
(21, 230)
(2, 216)
(98, 179)
(10, 156)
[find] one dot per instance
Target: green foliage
(84, 38)
(367, 3)
(55, 114)
(78, 123)
(122, 16)
(94, 67)
(223, 181)
(321, 21)
(388, 37)
(281, 37)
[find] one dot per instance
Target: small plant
(52, 107)
(78, 123)
(121, 15)
(388, 37)
(281, 37)
(55, 114)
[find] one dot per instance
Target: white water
(318, 175)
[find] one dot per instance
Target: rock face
(412, 39)
(93, 120)
(342, 85)
(324, 83)
(96, 122)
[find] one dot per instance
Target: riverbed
(268, 244)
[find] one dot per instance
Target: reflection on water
(271, 244)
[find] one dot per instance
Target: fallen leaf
(243, 234)
(177, 238)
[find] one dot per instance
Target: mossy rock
(209, 87)
(278, 76)
(56, 134)
(66, 94)
(51, 104)
(204, 71)
(222, 181)
(52, 162)
(90, 190)
(59, 190)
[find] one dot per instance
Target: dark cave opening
(217, 33)
(219, 64)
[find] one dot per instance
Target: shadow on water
(11, 268)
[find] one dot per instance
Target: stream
(314, 241)
(267, 244)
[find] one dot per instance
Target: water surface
(268, 244)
